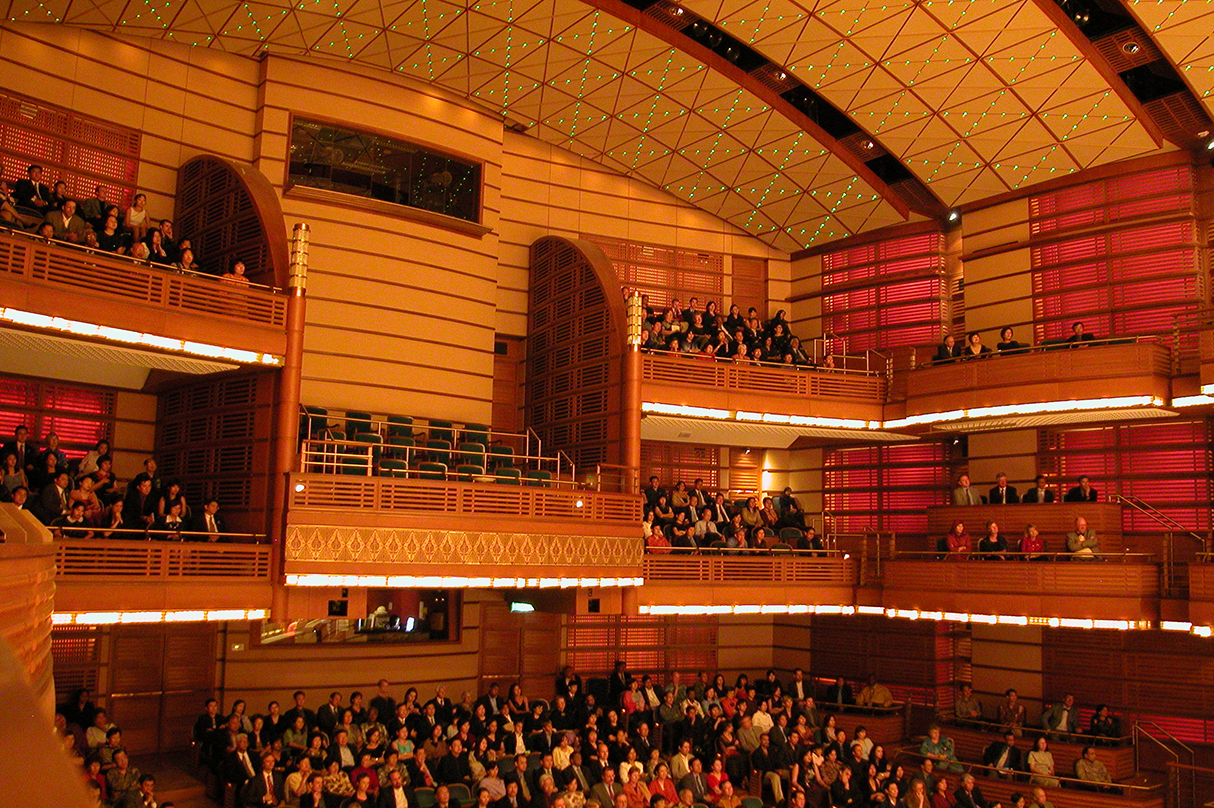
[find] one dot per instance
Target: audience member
(1084, 492)
(1082, 542)
(1002, 493)
(964, 494)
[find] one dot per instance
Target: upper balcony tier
(51, 287)
(1042, 385)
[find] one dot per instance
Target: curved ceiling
(1184, 32)
(975, 97)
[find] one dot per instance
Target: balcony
(789, 578)
(339, 525)
(1046, 385)
(48, 279)
(138, 575)
(1122, 587)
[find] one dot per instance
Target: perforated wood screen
(573, 354)
(915, 660)
(664, 273)
(215, 210)
(213, 434)
(886, 488)
(84, 152)
(1167, 465)
(1127, 257)
(653, 645)
(887, 294)
(1164, 677)
(80, 415)
(672, 462)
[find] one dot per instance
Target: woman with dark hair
(992, 546)
(172, 496)
(111, 238)
(156, 251)
(1007, 344)
(974, 349)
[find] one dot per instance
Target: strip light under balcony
(925, 419)
(143, 339)
(177, 616)
(1194, 401)
(454, 581)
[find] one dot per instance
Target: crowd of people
(949, 350)
(82, 497)
(685, 519)
(641, 744)
(729, 337)
(957, 545)
(99, 224)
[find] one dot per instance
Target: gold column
(286, 420)
(630, 413)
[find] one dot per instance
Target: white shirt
(762, 721)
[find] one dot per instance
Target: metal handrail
(996, 729)
(331, 456)
(1159, 516)
(155, 534)
(774, 365)
(752, 551)
(568, 460)
(1171, 737)
(1137, 732)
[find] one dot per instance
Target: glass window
(388, 169)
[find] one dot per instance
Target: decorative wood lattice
(575, 339)
(454, 550)
(79, 414)
(215, 209)
(657, 646)
(84, 152)
(214, 435)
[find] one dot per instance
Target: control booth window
(339, 158)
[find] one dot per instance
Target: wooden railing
(62, 266)
(1044, 375)
(832, 570)
(801, 382)
(1135, 578)
(329, 492)
(99, 559)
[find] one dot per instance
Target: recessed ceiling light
(1131, 48)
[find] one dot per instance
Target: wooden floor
(176, 781)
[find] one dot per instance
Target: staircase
(1174, 569)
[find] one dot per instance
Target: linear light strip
(178, 616)
(1194, 401)
(745, 416)
(454, 581)
(916, 614)
(105, 332)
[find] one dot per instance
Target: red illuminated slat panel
(1148, 193)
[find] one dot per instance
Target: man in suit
(969, 795)
(68, 226)
(210, 523)
(267, 787)
(1062, 717)
(840, 693)
(547, 768)
(1082, 541)
(698, 491)
(238, 766)
(1004, 756)
(618, 684)
(566, 678)
(1038, 494)
(52, 501)
(606, 791)
(512, 799)
(1084, 492)
(31, 193)
(1002, 493)
(696, 781)
(392, 793)
(964, 494)
(329, 713)
(420, 775)
(298, 695)
(453, 767)
(26, 456)
(138, 511)
(341, 751)
(492, 700)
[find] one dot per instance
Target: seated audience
(1011, 712)
(1061, 718)
(1032, 545)
(66, 225)
(939, 749)
(1002, 493)
(1038, 494)
(956, 543)
(1081, 542)
(32, 193)
(992, 546)
(137, 219)
(1008, 345)
(948, 351)
(974, 349)
(1084, 492)
(964, 494)
(1079, 335)
(1003, 756)
(1089, 769)
(1040, 764)
(967, 707)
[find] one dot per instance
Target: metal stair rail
(1174, 579)
(1182, 779)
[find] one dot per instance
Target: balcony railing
(70, 269)
(439, 497)
(786, 567)
(1041, 373)
(102, 559)
(771, 379)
